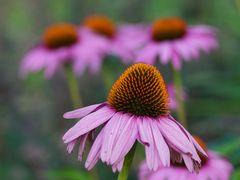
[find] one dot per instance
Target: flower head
(173, 41)
(64, 43)
(119, 41)
(214, 167)
(136, 110)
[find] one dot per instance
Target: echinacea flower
(173, 41)
(136, 110)
(214, 167)
(63, 44)
(172, 96)
(119, 41)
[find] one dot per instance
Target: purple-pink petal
(81, 112)
(126, 139)
(88, 123)
(94, 153)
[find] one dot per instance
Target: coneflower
(172, 40)
(214, 167)
(119, 40)
(136, 110)
(63, 44)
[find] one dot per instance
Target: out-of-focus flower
(136, 110)
(214, 167)
(61, 44)
(172, 96)
(119, 41)
(173, 41)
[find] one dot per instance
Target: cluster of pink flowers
(86, 45)
(138, 106)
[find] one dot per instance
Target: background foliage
(31, 109)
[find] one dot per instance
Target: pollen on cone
(140, 90)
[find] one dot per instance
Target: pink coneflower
(136, 110)
(61, 44)
(119, 41)
(173, 41)
(214, 167)
(172, 96)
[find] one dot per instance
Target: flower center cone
(101, 25)
(168, 29)
(140, 90)
(60, 35)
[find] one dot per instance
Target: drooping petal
(71, 145)
(88, 123)
(125, 140)
(146, 134)
(118, 166)
(81, 112)
(188, 162)
(177, 138)
(197, 146)
(143, 136)
(94, 153)
(111, 130)
(82, 144)
(162, 147)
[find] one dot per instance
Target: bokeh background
(31, 109)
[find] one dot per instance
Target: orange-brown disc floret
(100, 24)
(203, 146)
(140, 90)
(60, 35)
(168, 29)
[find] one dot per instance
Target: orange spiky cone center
(101, 25)
(168, 29)
(60, 35)
(140, 90)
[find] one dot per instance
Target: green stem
(123, 175)
(181, 112)
(237, 2)
(108, 76)
(73, 87)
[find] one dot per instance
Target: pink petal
(148, 54)
(88, 123)
(188, 162)
(81, 112)
(198, 147)
(176, 137)
(71, 145)
(94, 153)
(143, 136)
(82, 144)
(146, 135)
(160, 143)
(165, 52)
(111, 130)
(118, 166)
(125, 140)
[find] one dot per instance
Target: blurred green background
(31, 109)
